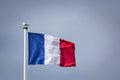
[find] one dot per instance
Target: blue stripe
(36, 48)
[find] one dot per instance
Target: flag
(46, 49)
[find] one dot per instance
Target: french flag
(46, 49)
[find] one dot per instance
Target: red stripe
(67, 53)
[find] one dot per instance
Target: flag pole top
(25, 25)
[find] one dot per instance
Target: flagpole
(25, 28)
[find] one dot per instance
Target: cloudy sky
(93, 25)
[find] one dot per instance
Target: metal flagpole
(25, 28)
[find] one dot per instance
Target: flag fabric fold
(46, 49)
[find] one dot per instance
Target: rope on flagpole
(25, 28)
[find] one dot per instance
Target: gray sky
(93, 25)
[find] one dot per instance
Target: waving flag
(47, 49)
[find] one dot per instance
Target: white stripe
(52, 51)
